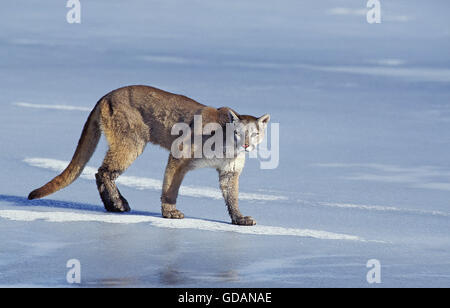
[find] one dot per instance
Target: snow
(58, 107)
(363, 112)
(187, 223)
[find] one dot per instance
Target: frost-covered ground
(364, 115)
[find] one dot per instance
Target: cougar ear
(264, 119)
(232, 116)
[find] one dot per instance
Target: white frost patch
(383, 68)
(382, 208)
(388, 62)
(347, 11)
(186, 223)
(257, 65)
(142, 183)
(417, 73)
(164, 59)
(57, 107)
(382, 178)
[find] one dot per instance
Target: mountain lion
(131, 117)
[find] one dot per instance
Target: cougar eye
(254, 135)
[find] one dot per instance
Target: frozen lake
(364, 170)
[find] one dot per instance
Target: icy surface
(364, 172)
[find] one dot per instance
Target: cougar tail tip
(39, 193)
(33, 195)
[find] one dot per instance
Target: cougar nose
(245, 146)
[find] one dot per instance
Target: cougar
(132, 116)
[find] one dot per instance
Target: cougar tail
(86, 147)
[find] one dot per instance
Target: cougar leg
(229, 184)
(117, 160)
(176, 169)
(110, 195)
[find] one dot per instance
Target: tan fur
(133, 116)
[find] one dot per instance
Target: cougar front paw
(176, 214)
(170, 211)
(243, 221)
